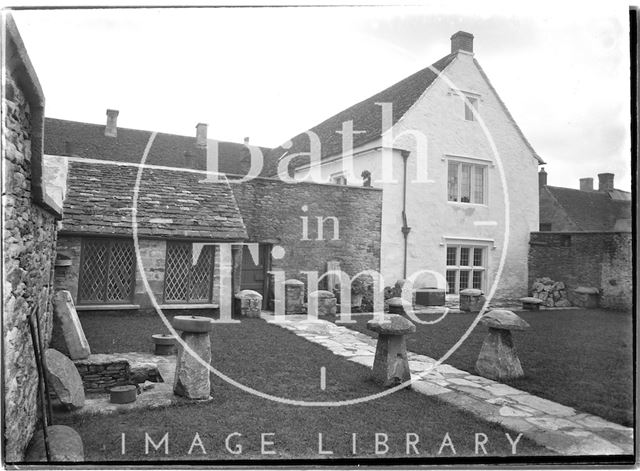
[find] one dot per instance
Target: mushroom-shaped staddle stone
(250, 302)
(322, 303)
(390, 365)
(531, 303)
(503, 319)
(471, 292)
(392, 324)
(498, 358)
(192, 323)
(192, 377)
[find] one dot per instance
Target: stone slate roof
(171, 203)
(170, 150)
(592, 210)
(367, 116)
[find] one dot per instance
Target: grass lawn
(278, 362)
(580, 358)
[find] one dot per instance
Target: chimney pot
(586, 184)
(111, 130)
(542, 178)
(201, 134)
(605, 181)
(69, 148)
(462, 41)
(246, 141)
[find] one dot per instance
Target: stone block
(294, 297)
(64, 379)
(324, 302)
(74, 337)
(586, 297)
(471, 300)
(192, 378)
(250, 303)
(65, 444)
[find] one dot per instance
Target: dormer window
(470, 105)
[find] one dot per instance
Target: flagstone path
(555, 426)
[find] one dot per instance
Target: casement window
(188, 275)
(466, 267)
(107, 271)
(470, 104)
(338, 178)
(467, 182)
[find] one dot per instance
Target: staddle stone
(390, 365)
(250, 303)
(192, 323)
(503, 319)
(65, 444)
(498, 358)
(531, 303)
(64, 379)
(74, 337)
(391, 324)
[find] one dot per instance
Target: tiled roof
(170, 150)
(592, 210)
(171, 203)
(366, 115)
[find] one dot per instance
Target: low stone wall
(101, 372)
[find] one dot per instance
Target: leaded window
(189, 273)
(466, 182)
(107, 271)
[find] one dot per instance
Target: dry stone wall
(29, 237)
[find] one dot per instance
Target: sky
(271, 73)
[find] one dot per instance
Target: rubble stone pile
(552, 293)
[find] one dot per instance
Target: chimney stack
(462, 41)
(542, 178)
(586, 184)
(111, 130)
(246, 141)
(201, 134)
(605, 181)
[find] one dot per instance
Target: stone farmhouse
(479, 174)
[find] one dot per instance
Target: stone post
(294, 297)
(250, 303)
(498, 358)
(391, 366)
(192, 378)
(236, 271)
(471, 300)
(322, 303)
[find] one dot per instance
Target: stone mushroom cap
(471, 292)
(397, 302)
(294, 282)
(503, 319)
(321, 294)
(193, 324)
(531, 300)
(391, 324)
(248, 293)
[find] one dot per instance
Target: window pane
(477, 279)
(464, 256)
(464, 279)
(465, 183)
(453, 181)
(478, 187)
(477, 257)
(451, 256)
(451, 281)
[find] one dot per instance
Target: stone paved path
(555, 426)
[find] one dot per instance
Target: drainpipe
(405, 229)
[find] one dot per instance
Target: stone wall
(592, 259)
(29, 236)
(99, 373)
(273, 210)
